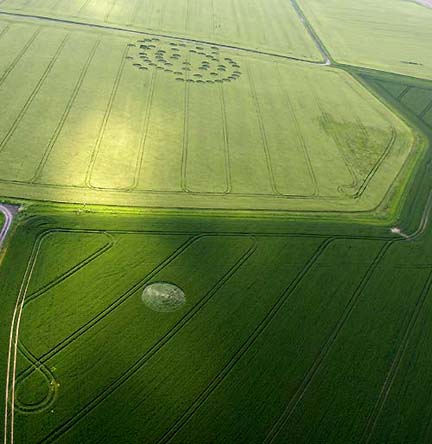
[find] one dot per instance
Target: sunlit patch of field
(282, 335)
(272, 25)
(101, 118)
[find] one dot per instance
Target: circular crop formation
(186, 62)
(163, 297)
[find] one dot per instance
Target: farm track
(106, 117)
(92, 322)
(12, 348)
(19, 56)
(425, 111)
(133, 188)
(377, 165)
(34, 93)
(305, 150)
(135, 9)
(316, 366)
(263, 134)
(218, 379)
(39, 292)
(14, 339)
(228, 177)
(274, 431)
(386, 152)
(371, 173)
(184, 158)
(50, 381)
(64, 116)
(4, 31)
(341, 149)
(140, 156)
(403, 93)
(59, 431)
(37, 364)
(109, 11)
(144, 131)
(12, 354)
(156, 34)
(193, 193)
(399, 357)
(362, 186)
(395, 366)
(81, 9)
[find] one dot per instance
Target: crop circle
(163, 297)
(186, 62)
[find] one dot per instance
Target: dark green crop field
(219, 232)
(291, 332)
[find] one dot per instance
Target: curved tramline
(134, 309)
(50, 362)
(130, 133)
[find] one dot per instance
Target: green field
(270, 162)
(124, 126)
(416, 97)
(88, 346)
(394, 36)
(243, 23)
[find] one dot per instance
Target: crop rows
(261, 330)
(223, 21)
(144, 159)
(416, 98)
(400, 46)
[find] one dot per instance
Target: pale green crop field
(307, 323)
(249, 23)
(390, 35)
(124, 119)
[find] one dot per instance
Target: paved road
(8, 212)
(314, 36)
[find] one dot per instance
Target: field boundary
(157, 34)
(183, 321)
(272, 312)
(389, 239)
(33, 94)
(313, 370)
(59, 127)
(21, 301)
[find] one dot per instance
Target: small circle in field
(163, 297)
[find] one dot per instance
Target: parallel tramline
(223, 229)
(267, 146)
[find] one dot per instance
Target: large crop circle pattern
(163, 297)
(186, 62)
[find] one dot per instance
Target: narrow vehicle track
(65, 21)
(8, 214)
